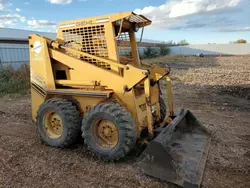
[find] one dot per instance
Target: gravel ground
(220, 102)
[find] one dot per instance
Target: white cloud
(26, 3)
(185, 13)
(187, 7)
(2, 4)
(178, 8)
(22, 19)
(235, 29)
(41, 24)
(10, 19)
(63, 2)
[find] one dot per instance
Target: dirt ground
(216, 90)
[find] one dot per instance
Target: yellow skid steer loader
(90, 82)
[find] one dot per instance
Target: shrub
(164, 50)
(150, 52)
(14, 81)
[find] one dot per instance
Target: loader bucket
(178, 153)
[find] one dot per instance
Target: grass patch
(14, 81)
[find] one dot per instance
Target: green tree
(150, 52)
(170, 43)
(183, 43)
(164, 50)
(240, 41)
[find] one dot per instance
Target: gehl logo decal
(83, 23)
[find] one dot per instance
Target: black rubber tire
(163, 109)
(71, 120)
(125, 124)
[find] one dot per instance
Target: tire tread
(126, 124)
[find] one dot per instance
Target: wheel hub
(53, 124)
(106, 134)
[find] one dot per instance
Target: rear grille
(90, 40)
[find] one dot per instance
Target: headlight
(118, 23)
(136, 27)
(153, 108)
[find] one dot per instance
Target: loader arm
(124, 74)
(162, 72)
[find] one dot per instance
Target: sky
(197, 21)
